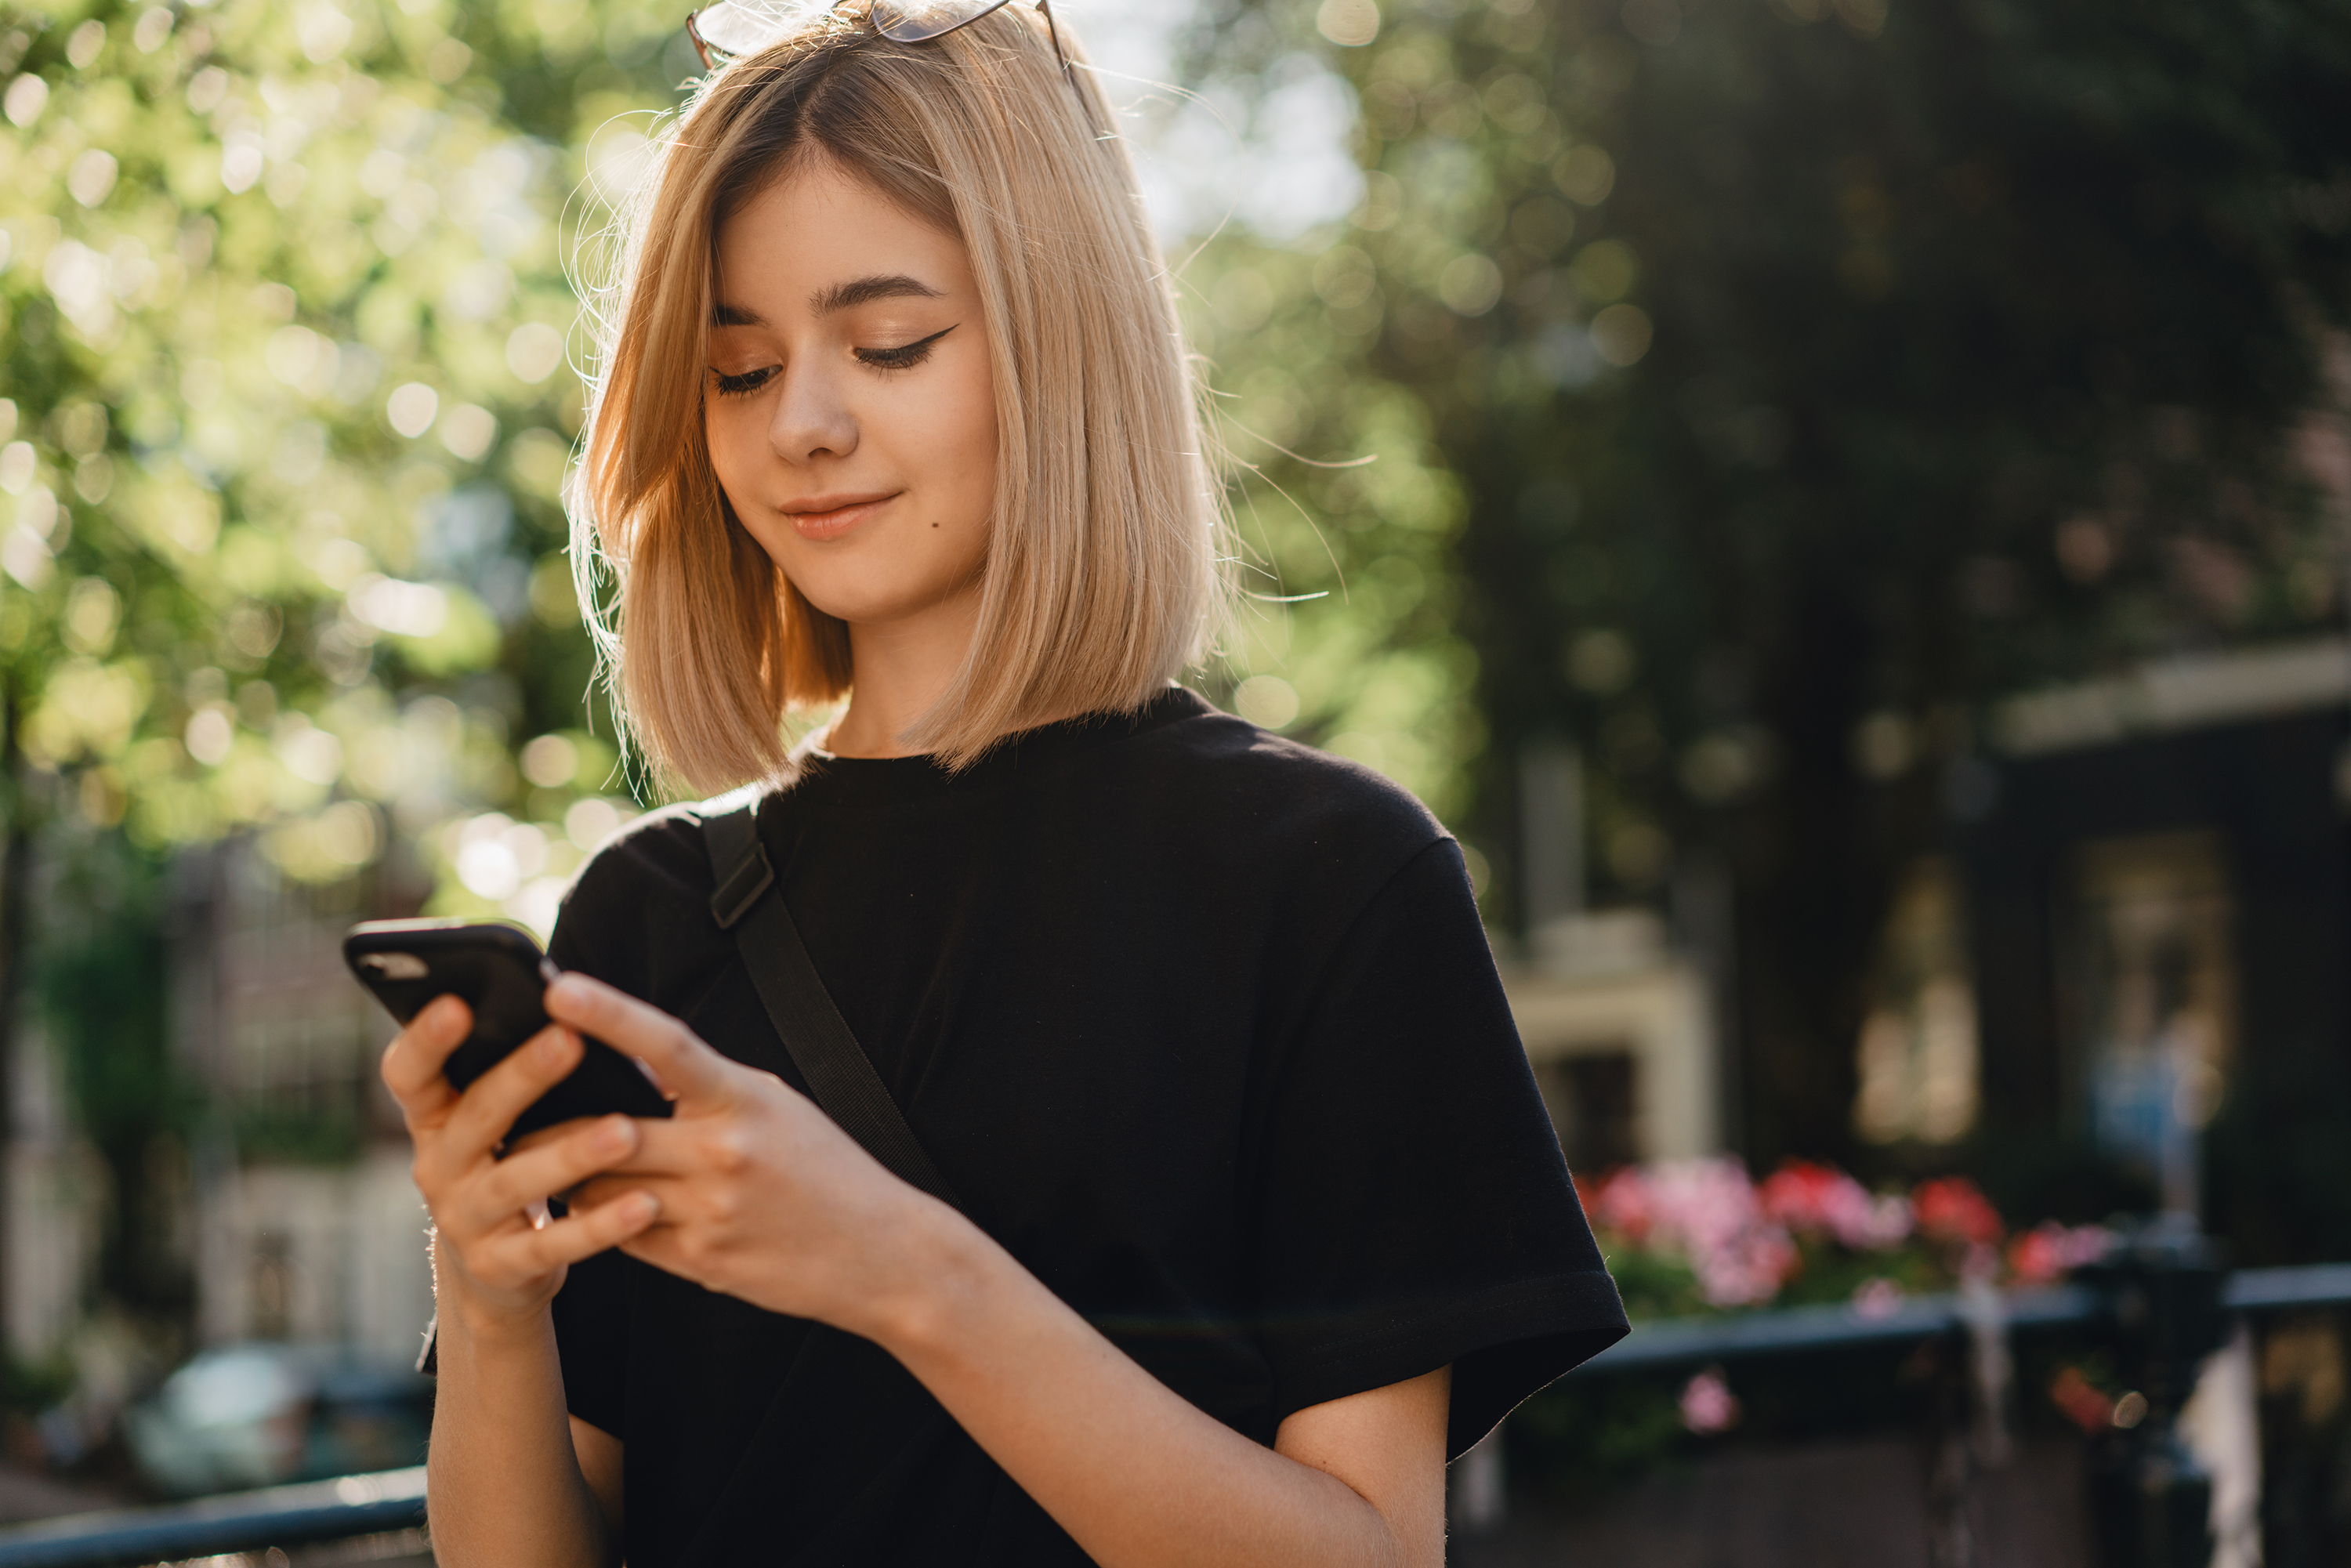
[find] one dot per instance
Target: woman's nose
(811, 420)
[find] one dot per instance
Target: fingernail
(551, 1047)
(615, 1135)
(642, 1206)
(567, 989)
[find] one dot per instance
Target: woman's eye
(747, 382)
(904, 357)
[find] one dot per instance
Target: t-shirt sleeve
(1414, 1209)
(591, 1340)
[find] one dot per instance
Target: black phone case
(499, 971)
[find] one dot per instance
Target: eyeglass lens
(920, 21)
(733, 29)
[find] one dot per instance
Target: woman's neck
(901, 669)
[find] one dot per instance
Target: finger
(540, 1138)
(686, 1068)
(548, 1169)
(600, 1189)
(412, 1061)
(666, 1148)
(492, 1102)
(606, 1186)
(583, 1234)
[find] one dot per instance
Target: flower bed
(1697, 1238)
(1690, 1237)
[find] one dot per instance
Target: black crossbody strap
(839, 1077)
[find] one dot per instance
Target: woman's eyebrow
(839, 297)
(864, 290)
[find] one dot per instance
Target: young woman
(1260, 1219)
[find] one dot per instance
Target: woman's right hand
(497, 1257)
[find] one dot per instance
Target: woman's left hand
(763, 1197)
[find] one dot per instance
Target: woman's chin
(892, 605)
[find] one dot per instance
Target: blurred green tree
(285, 406)
(1813, 373)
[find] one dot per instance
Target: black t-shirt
(1199, 1023)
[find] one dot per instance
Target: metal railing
(393, 1500)
(1789, 1331)
(2159, 1304)
(1796, 1330)
(352, 1506)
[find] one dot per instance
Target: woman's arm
(503, 1474)
(1141, 1476)
(511, 1480)
(764, 1197)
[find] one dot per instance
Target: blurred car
(258, 1415)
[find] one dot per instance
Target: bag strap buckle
(751, 877)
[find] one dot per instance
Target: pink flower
(1877, 1297)
(1745, 1270)
(1951, 1208)
(1620, 1202)
(1821, 1199)
(2033, 1257)
(1707, 1404)
(2050, 1250)
(1706, 1211)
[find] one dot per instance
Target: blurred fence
(388, 1504)
(1795, 1330)
(2150, 1315)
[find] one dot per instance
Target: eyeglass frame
(705, 49)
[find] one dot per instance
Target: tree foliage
(1814, 374)
(283, 333)
(289, 406)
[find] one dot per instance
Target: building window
(1594, 1108)
(1920, 1078)
(2149, 998)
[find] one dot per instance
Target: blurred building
(1617, 1026)
(307, 1227)
(2157, 881)
(2146, 898)
(56, 1189)
(1619, 1022)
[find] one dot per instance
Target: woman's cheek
(733, 439)
(972, 441)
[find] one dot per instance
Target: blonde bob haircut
(1102, 570)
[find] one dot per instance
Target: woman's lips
(830, 516)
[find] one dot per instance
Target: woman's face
(849, 407)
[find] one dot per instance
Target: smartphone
(497, 970)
